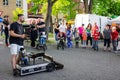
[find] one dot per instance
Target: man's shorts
(15, 48)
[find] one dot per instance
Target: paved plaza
(79, 64)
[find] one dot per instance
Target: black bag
(5, 22)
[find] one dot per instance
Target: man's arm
(12, 33)
(41, 26)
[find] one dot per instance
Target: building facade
(8, 6)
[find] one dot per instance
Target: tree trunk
(88, 6)
(51, 25)
(49, 11)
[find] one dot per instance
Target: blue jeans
(114, 43)
(56, 36)
(95, 44)
(84, 43)
(69, 42)
(42, 40)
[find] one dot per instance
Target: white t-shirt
(62, 28)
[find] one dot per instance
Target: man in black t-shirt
(16, 40)
(41, 25)
(5, 24)
(41, 28)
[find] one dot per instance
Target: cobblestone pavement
(80, 64)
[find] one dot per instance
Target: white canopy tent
(116, 20)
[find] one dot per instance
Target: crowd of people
(89, 35)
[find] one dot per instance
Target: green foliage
(37, 3)
(16, 12)
(60, 6)
(106, 7)
(66, 7)
(44, 8)
(28, 1)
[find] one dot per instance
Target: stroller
(77, 39)
(61, 41)
(42, 42)
(77, 42)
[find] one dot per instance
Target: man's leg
(109, 45)
(87, 41)
(105, 41)
(6, 38)
(18, 57)
(14, 57)
(93, 43)
(97, 45)
(13, 51)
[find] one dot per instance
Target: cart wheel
(50, 67)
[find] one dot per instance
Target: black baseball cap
(20, 15)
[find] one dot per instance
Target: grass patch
(50, 35)
(50, 41)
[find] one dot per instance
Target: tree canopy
(16, 12)
(106, 7)
(67, 7)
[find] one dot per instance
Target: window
(5, 2)
(18, 3)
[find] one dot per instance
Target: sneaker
(15, 72)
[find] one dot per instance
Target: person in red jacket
(96, 36)
(114, 36)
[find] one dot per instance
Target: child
(61, 35)
(61, 40)
(43, 38)
(114, 35)
(23, 59)
(96, 36)
(69, 37)
(84, 38)
(107, 38)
